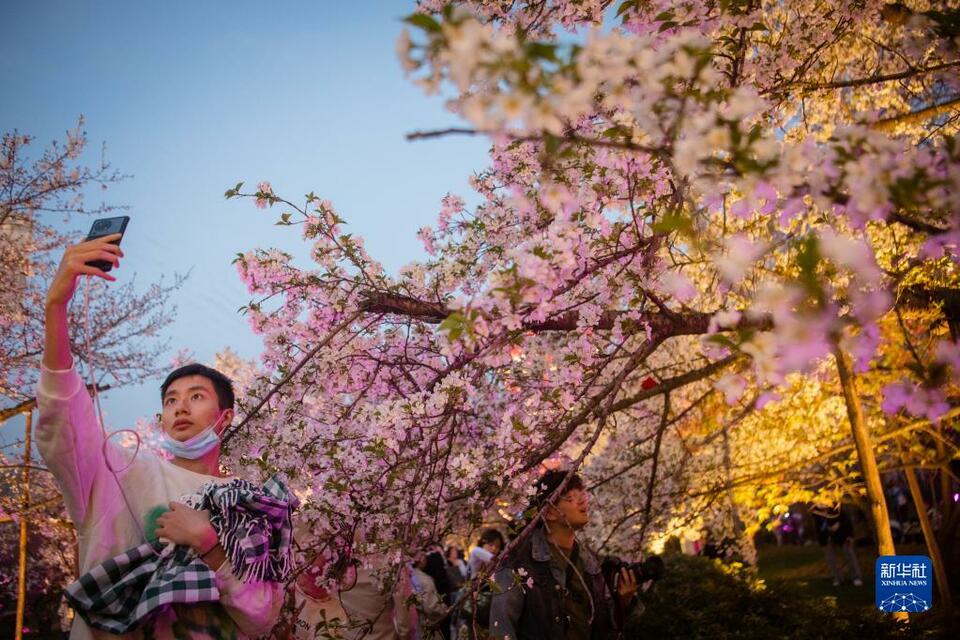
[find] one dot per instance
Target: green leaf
(423, 21)
(671, 222)
(542, 50)
(519, 427)
(735, 7)
(453, 325)
(626, 6)
(616, 131)
(551, 143)
(722, 340)
(230, 193)
(808, 257)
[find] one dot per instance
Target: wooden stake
(868, 461)
(22, 571)
(939, 571)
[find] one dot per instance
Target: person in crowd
(375, 612)
(707, 547)
(473, 610)
(551, 585)
(835, 533)
(114, 500)
(488, 546)
(429, 580)
(457, 573)
(457, 569)
(316, 605)
(435, 566)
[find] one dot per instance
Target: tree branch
(917, 225)
(915, 117)
(878, 78)
(674, 324)
(569, 138)
(230, 431)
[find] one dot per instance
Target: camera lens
(101, 225)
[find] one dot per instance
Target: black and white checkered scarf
(253, 525)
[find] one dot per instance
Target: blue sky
(191, 98)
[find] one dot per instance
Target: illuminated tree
(711, 195)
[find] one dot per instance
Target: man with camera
(551, 586)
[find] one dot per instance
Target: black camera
(652, 568)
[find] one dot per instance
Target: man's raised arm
(67, 433)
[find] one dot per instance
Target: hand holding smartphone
(85, 258)
(105, 227)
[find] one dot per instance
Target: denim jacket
(522, 612)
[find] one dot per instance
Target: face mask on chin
(195, 447)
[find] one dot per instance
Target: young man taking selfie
(113, 496)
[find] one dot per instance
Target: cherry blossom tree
(702, 205)
(735, 468)
(116, 332)
(38, 194)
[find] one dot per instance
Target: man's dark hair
(221, 383)
(490, 535)
(548, 483)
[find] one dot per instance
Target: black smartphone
(105, 227)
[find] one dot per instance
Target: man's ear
(226, 420)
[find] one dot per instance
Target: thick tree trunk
(939, 571)
(22, 571)
(868, 461)
(748, 549)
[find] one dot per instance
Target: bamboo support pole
(939, 571)
(24, 517)
(868, 460)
